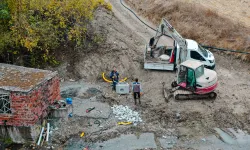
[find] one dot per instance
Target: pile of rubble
(123, 113)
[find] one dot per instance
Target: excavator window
(197, 56)
(187, 75)
(190, 78)
(199, 71)
(182, 74)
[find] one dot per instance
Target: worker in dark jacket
(136, 88)
(114, 76)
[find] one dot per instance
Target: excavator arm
(165, 28)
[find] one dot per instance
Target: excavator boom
(168, 29)
(165, 28)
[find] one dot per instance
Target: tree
(39, 28)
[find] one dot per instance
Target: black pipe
(222, 49)
(205, 46)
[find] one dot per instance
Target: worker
(114, 75)
(136, 88)
(114, 83)
(151, 42)
(152, 46)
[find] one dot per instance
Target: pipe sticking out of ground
(47, 137)
(40, 137)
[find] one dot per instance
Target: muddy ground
(124, 47)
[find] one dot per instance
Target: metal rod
(48, 127)
(40, 137)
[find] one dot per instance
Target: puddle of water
(225, 137)
(93, 91)
(70, 92)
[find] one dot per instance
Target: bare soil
(125, 41)
(236, 10)
(216, 23)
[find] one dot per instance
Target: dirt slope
(236, 10)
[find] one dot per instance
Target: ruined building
(25, 97)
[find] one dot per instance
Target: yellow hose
(124, 123)
(82, 134)
(107, 80)
(103, 76)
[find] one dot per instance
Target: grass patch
(6, 140)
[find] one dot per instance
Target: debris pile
(126, 114)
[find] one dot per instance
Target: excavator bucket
(166, 93)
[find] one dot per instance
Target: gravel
(124, 113)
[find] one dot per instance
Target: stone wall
(28, 108)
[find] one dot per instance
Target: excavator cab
(186, 77)
(194, 81)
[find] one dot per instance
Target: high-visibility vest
(136, 87)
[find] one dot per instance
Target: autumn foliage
(39, 28)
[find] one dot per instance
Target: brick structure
(25, 95)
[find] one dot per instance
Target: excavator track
(188, 95)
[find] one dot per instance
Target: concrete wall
(20, 134)
(29, 108)
(62, 112)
